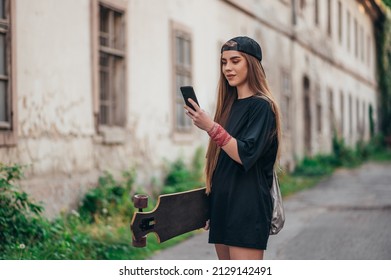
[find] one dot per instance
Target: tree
(383, 41)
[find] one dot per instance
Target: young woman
(243, 148)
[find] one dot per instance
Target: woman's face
(234, 68)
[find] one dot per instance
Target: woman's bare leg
(239, 253)
(222, 251)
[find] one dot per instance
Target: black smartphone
(188, 92)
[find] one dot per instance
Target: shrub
(345, 156)
(317, 166)
(20, 217)
(109, 198)
(181, 178)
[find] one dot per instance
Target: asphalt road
(347, 216)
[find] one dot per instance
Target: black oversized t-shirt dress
(241, 205)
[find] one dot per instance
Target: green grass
(381, 156)
(292, 184)
(310, 171)
(72, 239)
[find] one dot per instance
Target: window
(331, 112)
(318, 109)
(362, 43)
(294, 14)
(307, 101)
(350, 115)
(316, 12)
(363, 119)
(182, 67)
(355, 38)
(286, 90)
(358, 123)
(7, 89)
(348, 30)
(342, 112)
(112, 67)
(368, 50)
(329, 17)
(302, 5)
(340, 21)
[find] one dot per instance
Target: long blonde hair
(226, 96)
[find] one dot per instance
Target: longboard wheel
(140, 201)
(142, 242)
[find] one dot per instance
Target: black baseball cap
(246, 45)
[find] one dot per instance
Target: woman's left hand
(200, 118)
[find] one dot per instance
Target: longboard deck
(174, 214)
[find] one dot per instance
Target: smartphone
(188, 92)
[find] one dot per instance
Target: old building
(93, 85)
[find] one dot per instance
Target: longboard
(174, 214)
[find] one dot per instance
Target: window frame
(8, 130)
(340, 22)
(286, 94)
(319, 110)
(355, 37)
(112, 133)
(329, 18)
(342, 116)
(181, 133)
(332, 124)
(348, 31)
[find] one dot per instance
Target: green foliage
(181, 178)
(317, 166)
(109, 198)
(19, 216)
(342, 155)
(26, 234)
(98, 230)
(383, 44)
(310, 171)
(292, 183)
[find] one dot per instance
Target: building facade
(93, 85)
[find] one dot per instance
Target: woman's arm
(232, 150)
(202, 120)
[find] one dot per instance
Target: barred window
(319, 109)
(112, 90)
(355, 38)
(8, 129)
(5, 50)
(342, 114)
(331, 112)
(350, 115)
(316, 12)
(329, 18)
(286, 90)
(182, 67)
(348, 30)
(340, 21)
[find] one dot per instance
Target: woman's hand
(200, 118)
(203, 121)
(206, 227)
